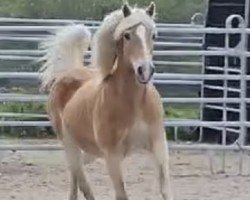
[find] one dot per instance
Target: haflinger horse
(110, 107)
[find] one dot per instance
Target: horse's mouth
(143, 80)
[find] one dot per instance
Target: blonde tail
(63, 52)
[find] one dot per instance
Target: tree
(168, 10)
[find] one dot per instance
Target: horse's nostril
(140, 70)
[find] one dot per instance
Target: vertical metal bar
(211, 160)
(2, 127)
(225, 86)
(202, 94)
(244, 48)
(202, 72)
(176, 138)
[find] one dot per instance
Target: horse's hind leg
(161, 157)
(74, 158)
(113, 162)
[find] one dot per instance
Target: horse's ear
(150, 10)
(126, 10)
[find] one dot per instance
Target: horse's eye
(127, 36)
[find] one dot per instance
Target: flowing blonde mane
(110, 31)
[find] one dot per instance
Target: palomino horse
(110, 107)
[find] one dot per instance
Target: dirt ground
(44, 176)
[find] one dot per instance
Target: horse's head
(134, 36)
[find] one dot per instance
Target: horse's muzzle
(145, 73)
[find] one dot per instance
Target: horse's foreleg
(73, 187)
(161, 157)
(113, 162)
(74, 158)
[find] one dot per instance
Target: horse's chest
(139, 135)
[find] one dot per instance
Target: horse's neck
(124, 81)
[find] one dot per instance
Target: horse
(108, 108)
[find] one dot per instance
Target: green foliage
(23, 107)
(24, 132)
(180, 112)
(168, 10)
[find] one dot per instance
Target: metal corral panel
(217, 14)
